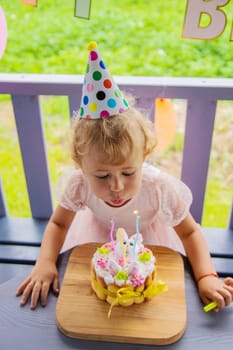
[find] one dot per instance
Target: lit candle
(111, 237)
(137, 231)
(122, 244)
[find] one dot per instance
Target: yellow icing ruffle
(127, 296)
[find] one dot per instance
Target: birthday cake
(123, 271)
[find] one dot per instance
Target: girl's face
(114, 184)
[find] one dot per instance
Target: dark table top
(22, 328)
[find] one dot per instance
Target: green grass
(11, 173)
(217, 204)
(56, 131)
(136, 37)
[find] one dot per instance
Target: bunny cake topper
(101, 97)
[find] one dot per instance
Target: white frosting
(124, 261)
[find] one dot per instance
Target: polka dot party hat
(101, 97)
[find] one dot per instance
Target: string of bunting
(192, 27)
(33, 3)
(82, 8)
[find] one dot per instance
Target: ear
(124, 234)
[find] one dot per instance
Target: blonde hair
(115, 137)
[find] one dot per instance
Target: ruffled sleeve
(71, 191)
(173, 199)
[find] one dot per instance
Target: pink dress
(163, 202)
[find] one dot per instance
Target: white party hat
(101, 97)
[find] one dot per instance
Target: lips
(117, 201)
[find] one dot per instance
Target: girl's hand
(37, 284)
(216, 289)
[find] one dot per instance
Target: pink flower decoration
(137, 280)
(121, 261)
(143, 250)
(102, 262)
(110, 245)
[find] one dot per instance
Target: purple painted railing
(201, 95)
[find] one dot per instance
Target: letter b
(194, 10)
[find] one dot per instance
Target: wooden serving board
(162, 320)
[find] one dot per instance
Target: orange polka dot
(107, 83)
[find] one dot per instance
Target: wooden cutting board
(162, 320)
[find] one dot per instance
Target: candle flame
(136, 212)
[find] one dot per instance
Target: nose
(116, 184)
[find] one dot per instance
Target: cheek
(135, 184)
(98, 187)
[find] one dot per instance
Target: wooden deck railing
(202, 96)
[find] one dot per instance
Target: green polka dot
(125, 103)
(117, 93)
(97, 75)
(81, 112)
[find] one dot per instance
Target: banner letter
(195, 9)
(82, 8)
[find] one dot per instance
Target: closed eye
(128, 174)
(102, 177)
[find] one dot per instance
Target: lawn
(138, 37)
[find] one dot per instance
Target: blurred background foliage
(137, 37)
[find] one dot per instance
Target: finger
(56, 286)
(223, 298)
(206, 300)
(35, 295)
(227, 297)
(228, 288)
(22, 286)
(44, 293)
(26, 293)
(218, 298)
(228, 281)
(229, 291)
(220, 301)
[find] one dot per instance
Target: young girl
(110, 143)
